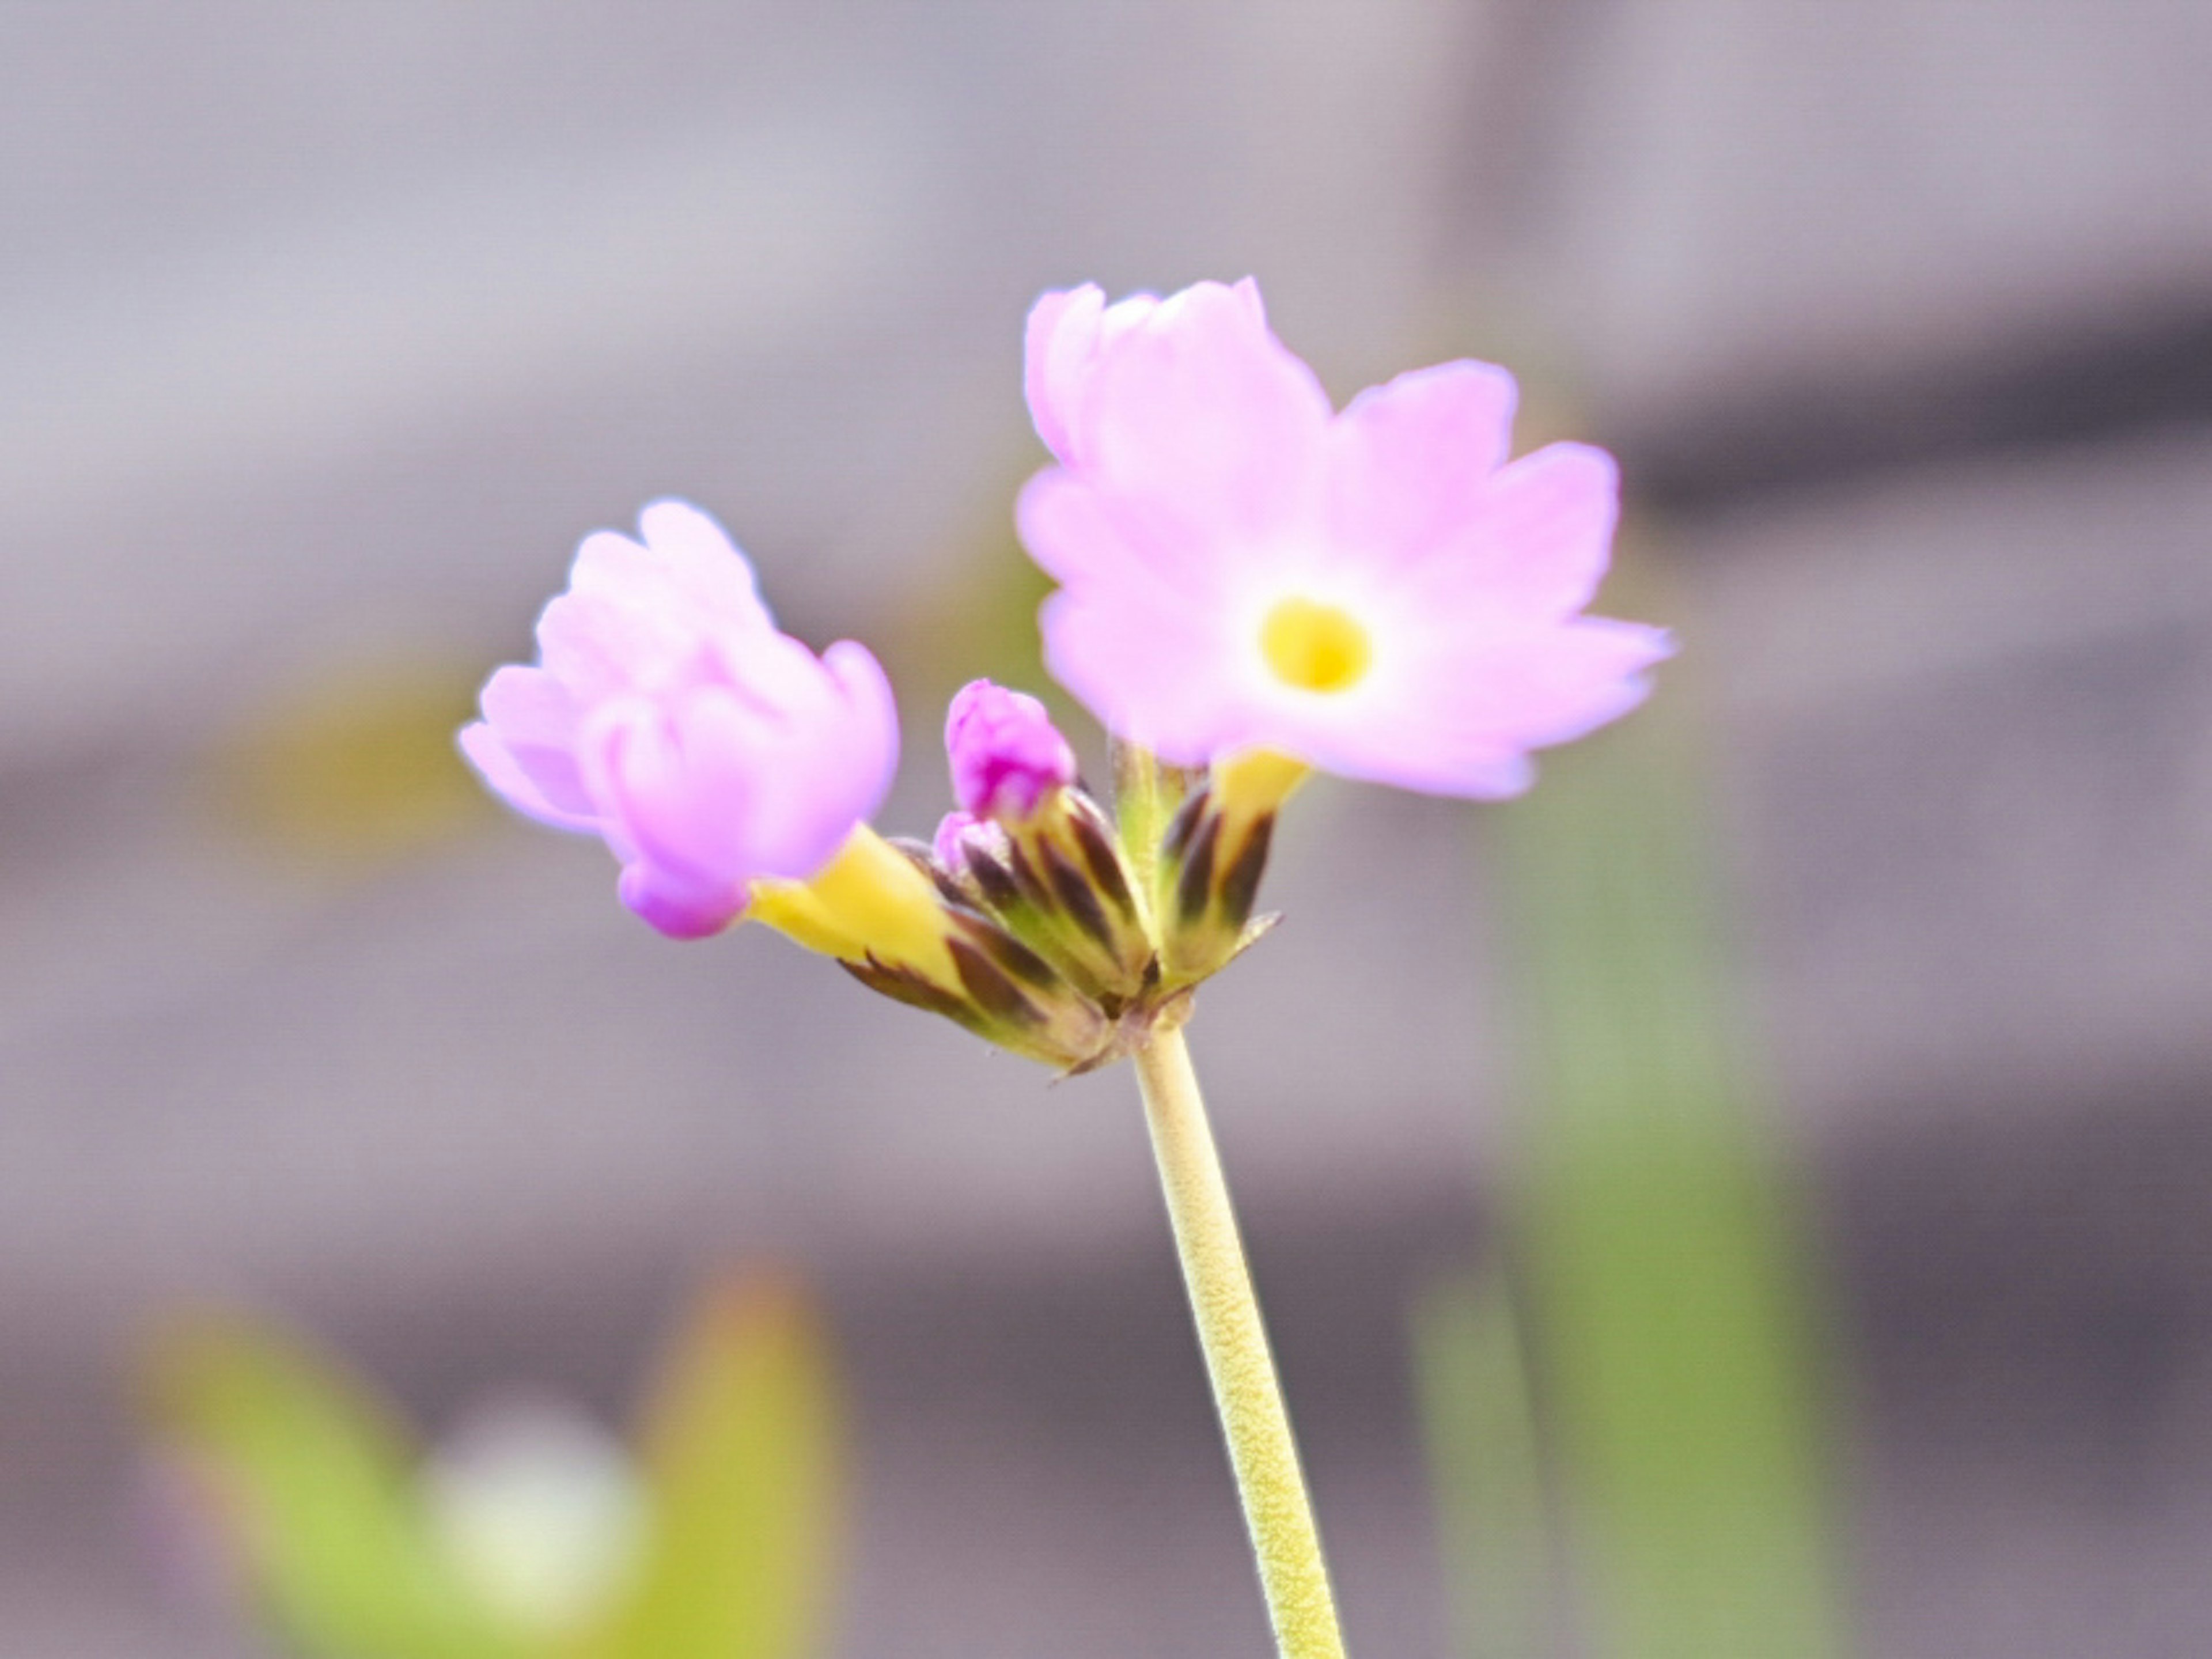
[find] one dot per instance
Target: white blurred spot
(539, 1509)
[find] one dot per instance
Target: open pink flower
(668, 715)
(1378, 592)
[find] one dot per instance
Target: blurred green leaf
(1659, 1219)
(1472, 1377)
(317, 1477)
(742, 1449)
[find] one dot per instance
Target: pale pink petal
(1463, 724)
(535, 716)
(1082, 534)
(1154, 677)
(1201, 410)
(679, 909)
(793, 781)
(697, 787)
(868, 733)
(616, 576)
(619, 569)
(638, 614)
(1132, 311)
(859, 679)
(598, 647)
(1557, 685)
(677, 530)
(1410, 462)
(631, 763)
(755, 787)
(1431, 760)
(716, 781)
(1060, 342)
(499, 768)
(1068, 331)
(1538, 543)
(707, 574)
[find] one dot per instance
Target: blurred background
(326, 332)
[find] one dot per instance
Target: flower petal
(1434, 763)
(644, 614)
(703, 569)
(674, 907)
(1153, 675)
(601, 646)
(1537, 545)
(1060, 342)
(635, 769)
(535, 718)
(841, 763)
(1083, 536)
(1564, 682)
(1410, 462)
(496, 764)
(1463, 724)
(1200, 411)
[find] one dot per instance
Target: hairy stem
(1245, 1395)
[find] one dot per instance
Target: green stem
(1245, 1395)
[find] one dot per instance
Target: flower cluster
(1252, 585)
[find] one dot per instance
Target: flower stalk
(1247, 1395)
(1252, 585)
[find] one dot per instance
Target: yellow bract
(1314, 647)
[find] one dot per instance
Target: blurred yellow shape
(355, 768)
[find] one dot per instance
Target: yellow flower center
(1314, 647)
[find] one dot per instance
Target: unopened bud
(1007, 757)
(1212, 859)
(963, 840)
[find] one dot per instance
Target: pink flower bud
(963, 837)
(1006, 756)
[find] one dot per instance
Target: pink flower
(668, 715)
(1378, 592)
(1006, 754)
